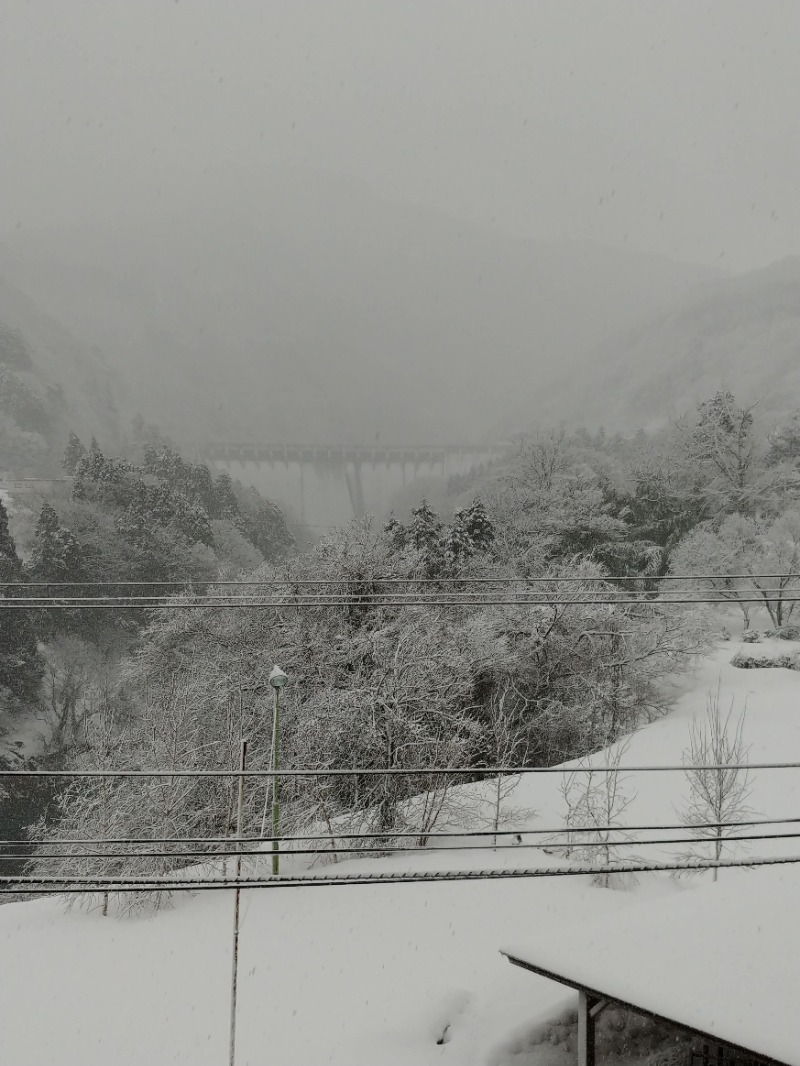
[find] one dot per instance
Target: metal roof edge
(646, 1011)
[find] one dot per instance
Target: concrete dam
(321, 487)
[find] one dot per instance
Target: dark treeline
(155, 518)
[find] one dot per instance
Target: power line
(466, 579)
(555, 845)
(87, 885)
(375, 601)
(393, 835)
(615, 596)
(401, 771)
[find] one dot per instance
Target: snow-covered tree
(740, 551)
(73, 453)
(20, 663)
(382, 685)
(470, 532)
(425, 528)
(596, 799)
(718, 779)
(784, 442)
(725, 456)
(56, 554)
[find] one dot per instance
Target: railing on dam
(430, 454)
(321, 486)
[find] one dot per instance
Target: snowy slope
(359, 975)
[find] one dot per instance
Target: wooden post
(586, 1029)
(236, 901)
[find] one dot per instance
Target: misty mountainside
(741, 334)
(335, 316)
(50, 383)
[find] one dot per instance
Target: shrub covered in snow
(786, 661)
(751, 636)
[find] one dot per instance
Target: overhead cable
(85, 885)
(235, 851)
(395, 771)
(394, 835)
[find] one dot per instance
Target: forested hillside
(49, 383)
(741, 334)
(147, 526)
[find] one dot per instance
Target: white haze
(322, 220)
(671, 126)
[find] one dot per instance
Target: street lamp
(277, 679)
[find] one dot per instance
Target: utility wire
(621, 596)
(86, 885)
(552, 845)
(376, 601)
(439, 834)
(493, 771)
(468, 579)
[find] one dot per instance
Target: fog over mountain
(338, 317)
(311, 221)
(740, 334)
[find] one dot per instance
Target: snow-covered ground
(365, 975)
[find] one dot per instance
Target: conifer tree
(73, 453)
(478, 525)
(10, 565)
(396, 532)
(471, 531)
(784, 442)
(20, 664)
(56, 555)
(425, 528)
(227, 502)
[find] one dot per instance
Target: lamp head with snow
(277, 677)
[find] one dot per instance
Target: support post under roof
(586, 1028)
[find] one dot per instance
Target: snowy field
(378, 975)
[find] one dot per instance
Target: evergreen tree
(91, 467)
(264, 525)
(10, 565)
(425, 534)
(191, 520)
(396, 532)
(471, 531)
(20, 665)
(784, 442)
(227, 503)
(199, 488)
(456, 542)
(478, 525)
(425, 528)
(165, 463)
(73, 453)
(56, 556)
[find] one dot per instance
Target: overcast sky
(669, 125)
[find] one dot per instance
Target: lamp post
(277, 679)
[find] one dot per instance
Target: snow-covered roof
(722, 959)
